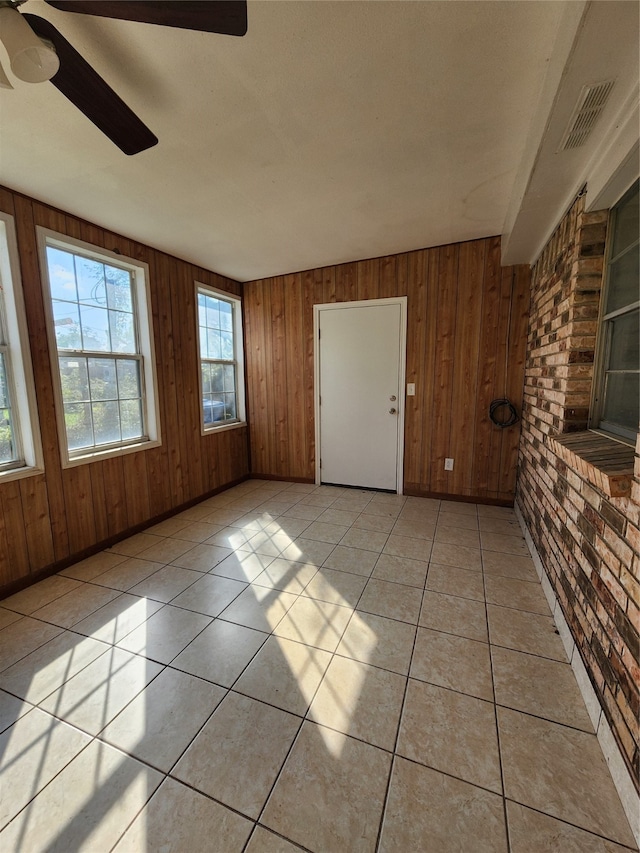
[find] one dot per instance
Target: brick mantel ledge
(605, 463)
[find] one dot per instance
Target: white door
(360, 376)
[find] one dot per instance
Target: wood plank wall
(466, 340)
(51, 517)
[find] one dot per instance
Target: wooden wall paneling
(416, 344)
(279, 373)
(12, 512)
(182, 414)
(8, 573)
(260, 427)
(255, 400)
(189, 373)
(79, 511)
(115, 494)
(294, 358)
(6, 201)
(490, 348)
(499, 386)
(388, 277)
(443, 374)
(159, 475)
(464, 406)
(329, 292)
(515, 378)
(36, 519)
(425, 387)
(368, 278)
(101, 508)
(306, 283)
(25, 213)
(166, 342)
(136, 485)
(346, 282)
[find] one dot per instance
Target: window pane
(213, 344)
(66, 321)
(75, 383)
(627, 225)
(213, 409)
(230, 406)
(131, 419)
(625, 342)
(4, 390)
(226, 343)
(106, 422)
(217, 378)
(217, 346)
(118, 288)
(226, 316)
(95, 329)
(102, 379)
(229, 377)
(90, 278)
(77, 418)
(123, 337)
(7, 450)
(62, 275)
(623, 286)
(128, 379)
(205, 370)
(203, 342)
(213, 314)
(622, 400)
(7, 446)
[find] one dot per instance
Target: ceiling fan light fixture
(32, 59)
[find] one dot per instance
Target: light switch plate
(411, 389)
(448, 464)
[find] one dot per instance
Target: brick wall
(589, 543)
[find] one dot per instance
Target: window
(20, 451)
(221, 365)
(617, 400)
(101, 341)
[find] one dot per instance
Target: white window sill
(222, 427)
(20, 473)
(97, 455)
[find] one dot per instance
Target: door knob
(392, 411)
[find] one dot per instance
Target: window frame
(604, 332)
(238, 360)
(143, 322)
(18, 365)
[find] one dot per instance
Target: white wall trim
(612, 755)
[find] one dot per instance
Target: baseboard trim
(54, 568)
(414, 492)
(610, 749)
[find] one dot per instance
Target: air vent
(587, 111)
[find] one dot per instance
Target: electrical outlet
(448, 464)
(411, 389)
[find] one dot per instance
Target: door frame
(363, 303)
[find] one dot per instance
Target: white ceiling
(332, 131)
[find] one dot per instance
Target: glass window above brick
(617, 395)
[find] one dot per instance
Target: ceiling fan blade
(85, 88)
(228, 17)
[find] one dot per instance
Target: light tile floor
(286, 667)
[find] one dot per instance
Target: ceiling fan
(38, 52)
